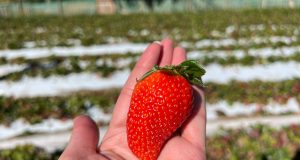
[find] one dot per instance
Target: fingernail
(157, 42)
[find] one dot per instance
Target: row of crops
(256, 92)
(257, 142)
(19, 32)
(107, 65)
(55, 68)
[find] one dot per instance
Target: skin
(187, 143)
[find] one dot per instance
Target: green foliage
(56, 65)
(27, 152)
(52, 65)
(36, 109)
(248, 60)
(57, 31)
(253, 92)
(258, 142)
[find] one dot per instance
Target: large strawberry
(161, 101)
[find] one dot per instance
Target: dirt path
(55, 141)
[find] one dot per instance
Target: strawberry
(161, 101)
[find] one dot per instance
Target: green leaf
(191, 70)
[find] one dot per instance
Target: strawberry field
(55, 68)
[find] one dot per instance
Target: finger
(84, 138)
(179, 56)
(166, 56)
(194, 129)
(148, 59)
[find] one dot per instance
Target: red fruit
(161, 101)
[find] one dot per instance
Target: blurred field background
(63, 58)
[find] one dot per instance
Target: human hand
(188, 143)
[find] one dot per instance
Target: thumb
(84, 139)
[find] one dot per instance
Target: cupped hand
(188, 143)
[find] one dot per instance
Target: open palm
(187, 143)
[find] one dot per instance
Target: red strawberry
(161, 101)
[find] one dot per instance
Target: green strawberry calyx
(190, 70)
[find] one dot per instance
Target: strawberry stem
(190, 70)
